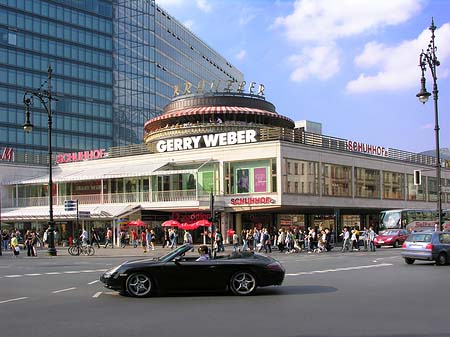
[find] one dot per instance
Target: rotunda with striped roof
(212, 113)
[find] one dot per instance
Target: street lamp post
(46, 98)
(428, 59)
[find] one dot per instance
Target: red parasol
(170, 223)
(137, 223)
(204, 223)
(188, 226)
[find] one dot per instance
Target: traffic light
(417, 177)
(215, 218)
(70, 205)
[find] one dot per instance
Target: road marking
(340, 269)
(97, 294)
(94, 282)
(14, 299)
(58, 273)
(62, 290)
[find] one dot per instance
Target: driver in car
(203, 251)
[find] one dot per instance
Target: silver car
(428, 246)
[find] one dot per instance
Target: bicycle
(79, 249)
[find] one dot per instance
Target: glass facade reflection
(114, 65)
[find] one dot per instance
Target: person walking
(152, 239)
(95, 238)
(5, 238)
(108, 238)
(34, 241)
(84, 237)
(144, 240)
(372, 235)
(14, 244)
(281, 241)
(28, 243)
(235, 241)
(346, 237)
(134, 238)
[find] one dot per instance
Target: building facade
(261, 170)
(114, 67)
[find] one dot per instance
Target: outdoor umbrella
(204, 223)
(188, 226)
(137, 223)
(170, 223)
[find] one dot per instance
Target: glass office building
(114, 67)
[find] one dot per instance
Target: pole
(51, 222)
(211, 206)
(429, 58)
(438, 153)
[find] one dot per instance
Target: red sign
(8, 154)
(190, 217)
(252, 201)
(81, 156)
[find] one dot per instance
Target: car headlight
(111, 272)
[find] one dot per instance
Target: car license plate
(380, 241)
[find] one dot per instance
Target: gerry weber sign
(209, 140)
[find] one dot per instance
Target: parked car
(428, 246)
(179, 270)
(391, 237)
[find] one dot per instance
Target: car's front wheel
(243, 283)
(408, 260)
(139, 284)
(441, 259)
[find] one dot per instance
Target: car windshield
(419, 238)
(390, 233)
(173, 253)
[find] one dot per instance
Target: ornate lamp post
(46, 98)
(428, 59)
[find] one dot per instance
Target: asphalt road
(328, 294)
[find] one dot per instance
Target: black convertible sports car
(240, 272)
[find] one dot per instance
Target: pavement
(129, 252)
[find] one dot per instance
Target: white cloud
(241, 55)
(396, 67)
(204, 6)
(189, 24)
(321, 23)
(325, 20)
(166, 4)
(321, 62)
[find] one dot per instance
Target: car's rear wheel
(139, 284)
(243, 283)
(441, 259)
(408, 260)
(396, 244)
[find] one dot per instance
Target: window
(336, 180)
(308, 180)
(367, 183)
(393, 185)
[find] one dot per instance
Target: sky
(351, 65)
